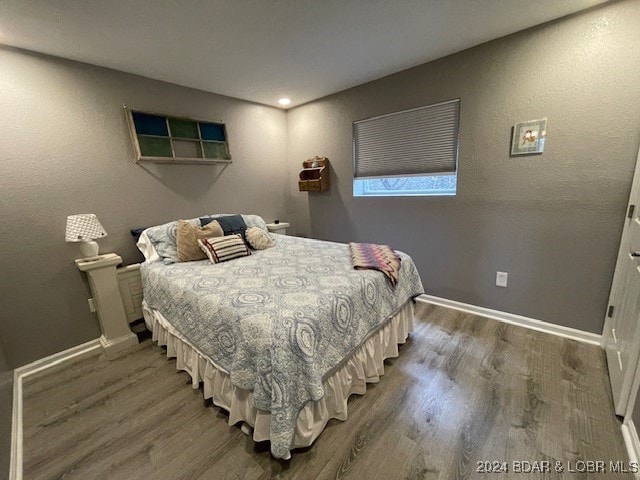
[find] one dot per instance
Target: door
(621, 334)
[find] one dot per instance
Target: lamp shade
(83, 228)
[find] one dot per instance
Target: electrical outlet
(501, 279)
(92, 305)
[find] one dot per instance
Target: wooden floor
(464, 389)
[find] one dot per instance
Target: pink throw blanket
(376, 257)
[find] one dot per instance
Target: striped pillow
(221, 249)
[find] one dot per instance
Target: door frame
(627, 393)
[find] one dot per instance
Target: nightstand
(131, 291)
(280, 228)
(107, 303)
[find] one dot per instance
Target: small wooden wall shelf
(314, 178)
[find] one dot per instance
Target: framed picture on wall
(529, 137)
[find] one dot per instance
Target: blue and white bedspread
(280, 320)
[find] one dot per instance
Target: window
(427, 185)
(408, 153)
(161, 138)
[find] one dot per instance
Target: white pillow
(147, 248)
(163, 239)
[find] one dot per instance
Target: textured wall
(553, 221)
(6, 399)
(66, 149)
(635, 414)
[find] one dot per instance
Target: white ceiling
(262, 50)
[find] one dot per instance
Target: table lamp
(85, 228)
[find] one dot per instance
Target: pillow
(187, 239)
(232, 224)
(250, 220)
(221, 249)
(136, 232)
(258, 238)
(163, 239)
(147, 249)
(255, 221)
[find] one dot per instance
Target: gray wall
(66, 149)
(553, 221)
(635, 415)
(6, 400)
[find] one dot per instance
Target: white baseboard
(513, 319)
(631, 441)
(120, 344)
(19, 374)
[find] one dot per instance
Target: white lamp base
(89, 250)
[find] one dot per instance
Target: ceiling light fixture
(284, 101)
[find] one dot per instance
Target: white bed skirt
(365, 365)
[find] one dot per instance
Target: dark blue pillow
(231, 224)
(136, 232)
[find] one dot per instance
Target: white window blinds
(419, 141)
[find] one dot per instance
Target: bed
(281, 338)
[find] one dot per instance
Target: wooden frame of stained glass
(166, 139)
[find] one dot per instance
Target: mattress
(280, 321)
